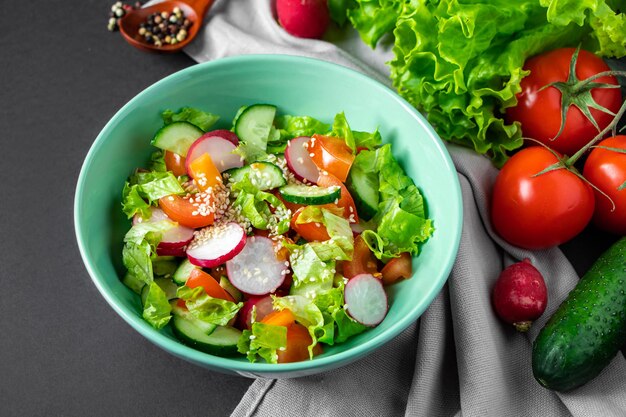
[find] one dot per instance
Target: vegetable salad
(270, 239)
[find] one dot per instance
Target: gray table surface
(63, 351)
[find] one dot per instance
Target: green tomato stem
(572, 159)
(580, 85)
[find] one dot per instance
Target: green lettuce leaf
(338, 10)
(374, 18)
(144, 188)
(139, 254)
(157, 309)
(337, 326)
(255, 206)
(354, 139)
(202, 119)
(157, 162)
(313, 263)
(206, 308)
(136, 259)
(306, 313)
(291, 127)
(401, 223)
(398, 231)
(150, 232)
(133, 203)
(263, 340)
(312, 274)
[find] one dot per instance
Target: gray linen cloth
(458, 359)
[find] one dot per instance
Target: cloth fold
(458, 359)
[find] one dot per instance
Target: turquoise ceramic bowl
(299, 86)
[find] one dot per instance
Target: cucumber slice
(263, 175)
(184, 314)
(310, 195)
(222, 342)
(254, 124)
(183, 271)
(177, 137)
(166, 285)
(363, 187)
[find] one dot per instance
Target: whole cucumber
(589, 327)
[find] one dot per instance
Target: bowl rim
(236, 365)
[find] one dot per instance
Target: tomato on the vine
(539, 211)
(538, 109)
(606, 169)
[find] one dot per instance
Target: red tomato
(397, 268)
(175, 163)
(345, 201)
(539, 112)
(607, 170)
(363, 260)
(298, 341)
(309, 231)
(332, 155)
(181, 210)
(537, 212)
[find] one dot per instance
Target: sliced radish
(263, 305)
(226, 134)
(214, 245)
(173, 241)
(299, 161)
(219, 149)
(257, 270)
(366, 300)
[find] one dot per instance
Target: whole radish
(520, 295)
(303, 18)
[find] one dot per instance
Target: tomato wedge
(182, 210)
(332, 155)
(309, 231)
(298, 341)
(397, 269)
(363, 260)
(175, 163)
(199, 278)
(345, 201)
(204, 172)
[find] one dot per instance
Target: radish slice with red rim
(226, 134)
(219, 149)
(299, 161)
(174, 240)
(257, 270)
(216, 244)
(263, 305)
(365, 299)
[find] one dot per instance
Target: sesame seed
(311, 154)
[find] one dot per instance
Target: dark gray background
(63, 351)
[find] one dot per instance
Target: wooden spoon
(194, 10)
